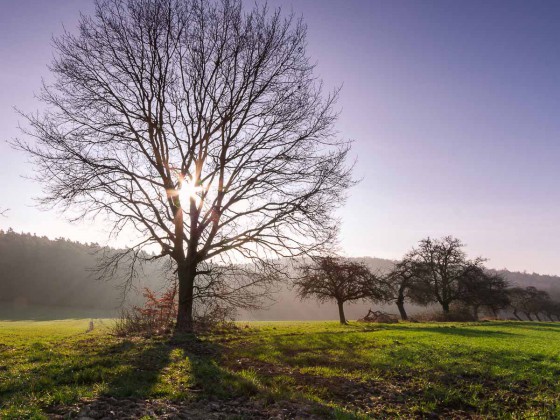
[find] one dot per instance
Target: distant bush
(455, 314)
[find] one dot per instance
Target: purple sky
(453, 106)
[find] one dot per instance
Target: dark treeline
(37, 270)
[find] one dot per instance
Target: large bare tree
(199, 125)
(444, 268)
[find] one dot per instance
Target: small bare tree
(201, 127)
(405, 283)
(331, 278)
(551, 308)
(534, 302)
(518, 300)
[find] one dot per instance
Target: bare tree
(529, 301)
(518, 298)
(551, 308)
(537, 301)
(405, 283)
(445, 267)
(332, 278)
(198, 125)
(483, 290)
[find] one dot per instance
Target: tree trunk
(515, 314)
(445, 307)
(475, 312)
(185, 320)
(528, 315)
(400, 305)
(341, 313)
(538, 317)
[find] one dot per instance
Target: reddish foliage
(154, 318)
(161, 310)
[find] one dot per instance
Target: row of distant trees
(437, 271)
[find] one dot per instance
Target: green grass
(17, 312)
(490, 369)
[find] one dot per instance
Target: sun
(189, 190)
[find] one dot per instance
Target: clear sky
(454, 107)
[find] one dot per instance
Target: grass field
(489, 369)
(14, 312)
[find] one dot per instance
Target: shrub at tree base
(158, 315)
(154, 318)
(213, 316)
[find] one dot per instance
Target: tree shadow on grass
(181, 368)
(138, 377)
(127, 368)
(138, 367)
(187, 370)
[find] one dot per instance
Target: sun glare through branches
(190, 190)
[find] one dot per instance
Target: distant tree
(405, 283)
(537, 301)
(551, 309)
(444, 268)
(518, 297)
(332, 278)
(483, 290)
(529, 301)
(201, 127)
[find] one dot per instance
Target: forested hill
(39, 271)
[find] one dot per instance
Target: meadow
(299, 369)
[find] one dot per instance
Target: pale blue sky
(453, 106)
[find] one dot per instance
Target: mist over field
(45, 278)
